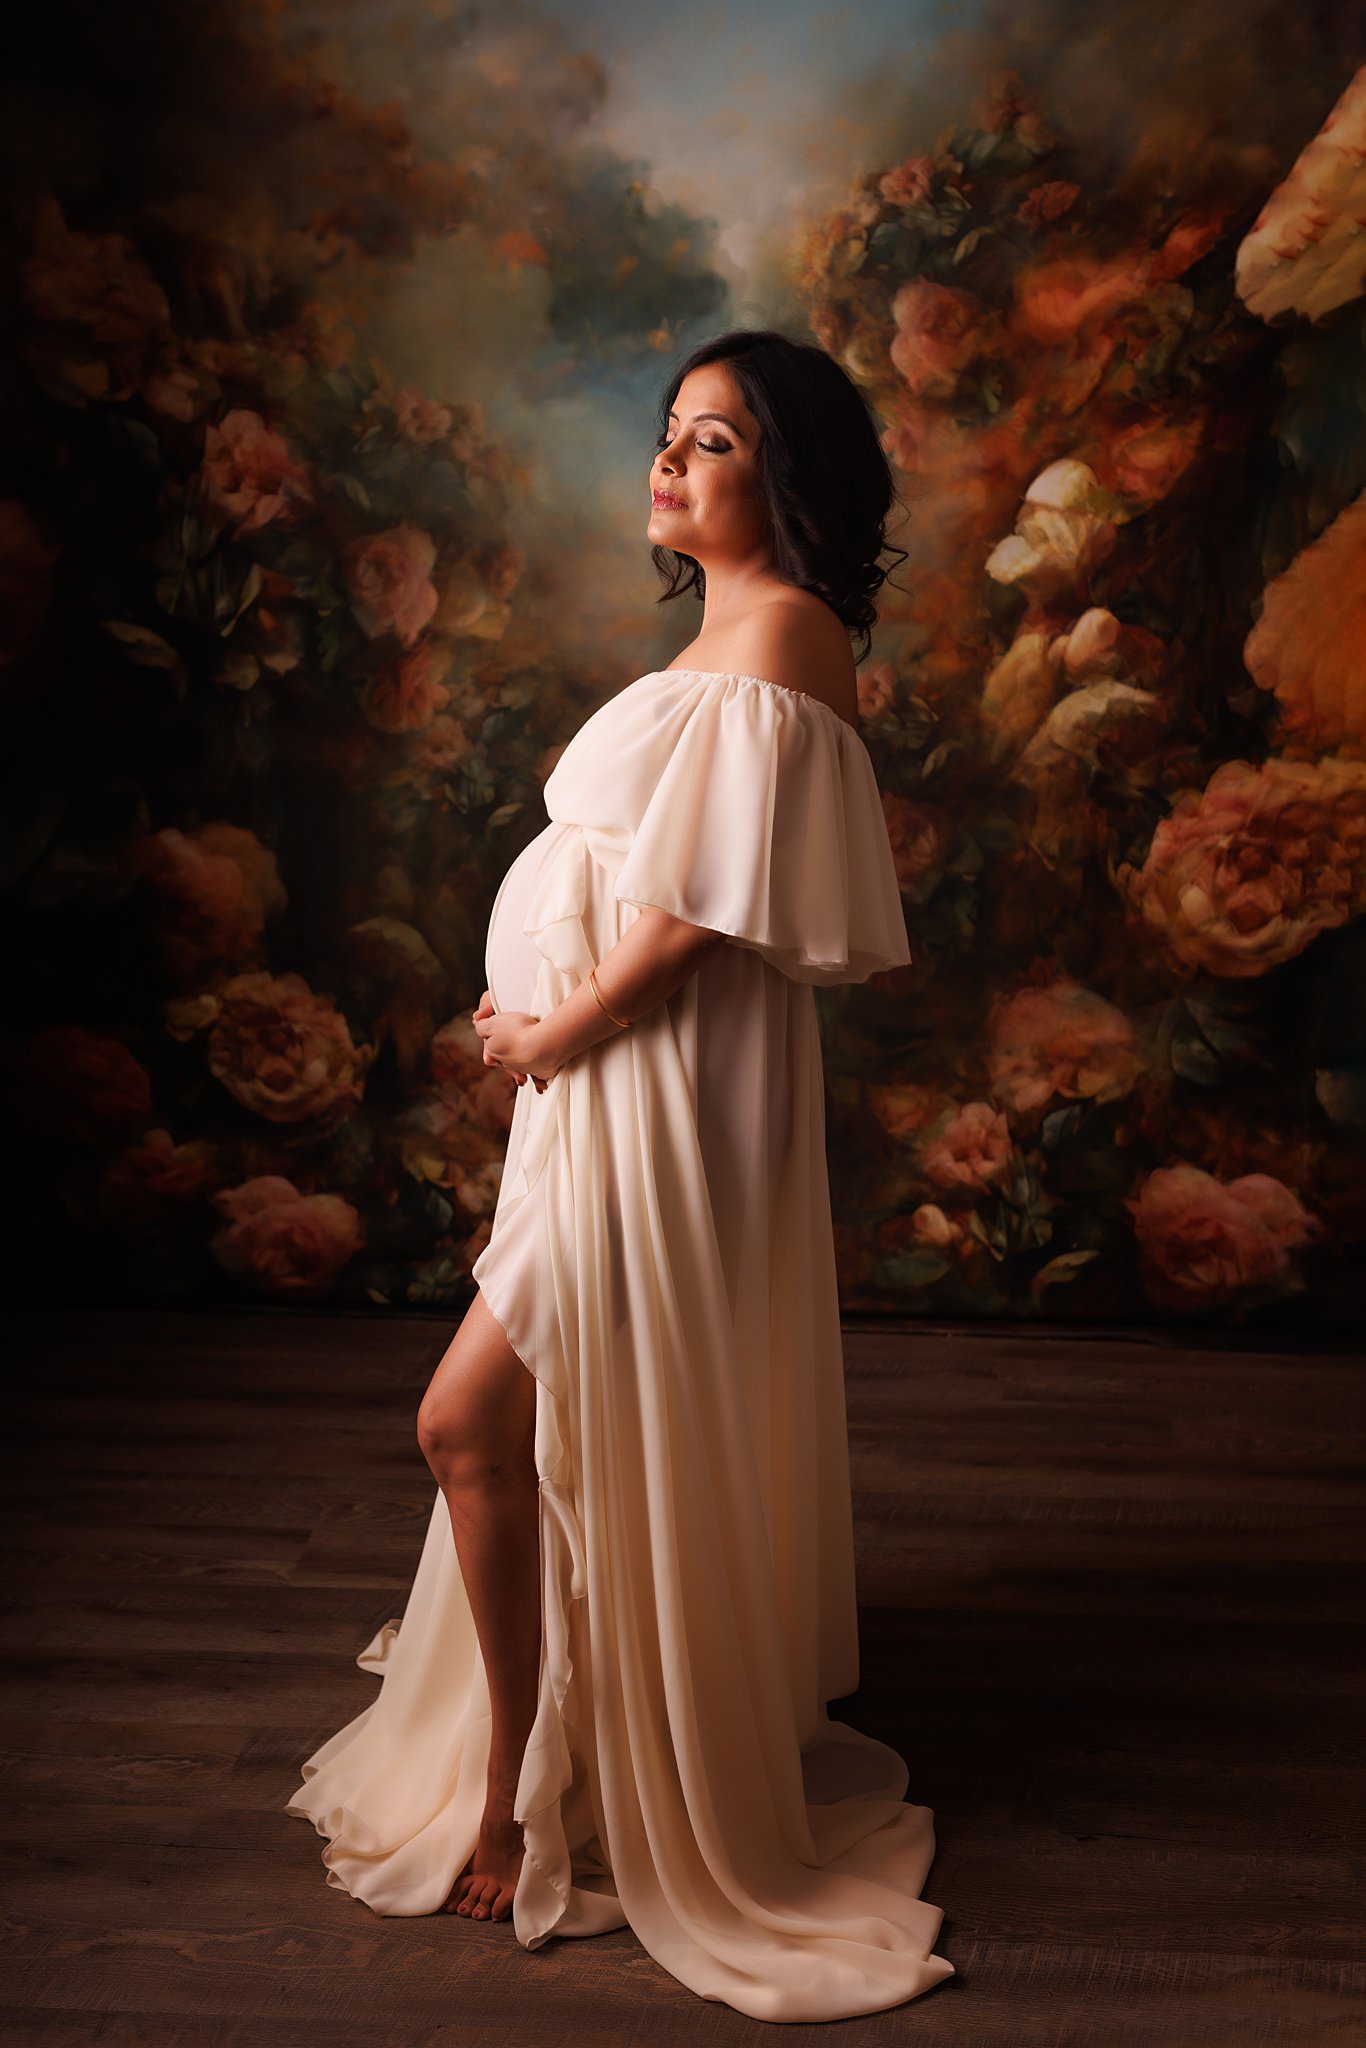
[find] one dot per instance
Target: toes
(502, 1909)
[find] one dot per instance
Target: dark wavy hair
(822, 469)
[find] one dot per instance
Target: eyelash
(710, 447)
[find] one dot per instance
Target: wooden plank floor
(1112, 1617)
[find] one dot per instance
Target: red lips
(666, 499)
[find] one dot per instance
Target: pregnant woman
(605, 1703)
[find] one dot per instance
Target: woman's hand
(512, 1039)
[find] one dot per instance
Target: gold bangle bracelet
(618, 1021)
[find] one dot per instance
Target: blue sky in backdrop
(744, 119)
(747, 114)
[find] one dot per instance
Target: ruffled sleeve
(744, 807)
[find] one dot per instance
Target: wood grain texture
(1112, 1611)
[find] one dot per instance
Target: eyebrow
(713, 416)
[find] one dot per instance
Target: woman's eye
(711, 447)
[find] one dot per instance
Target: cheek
(734, 502)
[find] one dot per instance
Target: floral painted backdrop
(290, 642)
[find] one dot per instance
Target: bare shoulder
(798, 641)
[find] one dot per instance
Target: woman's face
(704, 481)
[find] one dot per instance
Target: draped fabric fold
(662, 1261)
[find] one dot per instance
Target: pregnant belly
(512, 961)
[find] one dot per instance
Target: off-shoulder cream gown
(662, 1260)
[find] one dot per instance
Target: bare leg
(477, 1429)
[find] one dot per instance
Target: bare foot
(484, 1888)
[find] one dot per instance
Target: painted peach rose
(1204, 1242)
(1057, 297)
(1049, 201)
(215, 889)
(876, 688)
(974, 1151)
(407, 695)
(906, 184)
(249, 472)
(921, 836)
(283, 1052)
(283, 1241)
(1245, 873)
(420, 419)
(1060, 1040)
(932, 1231)
(388, 576)
(81, 1087)
(939, 330)
(1145, 461)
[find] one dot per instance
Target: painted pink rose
(1245, 873)
(283, 1241)
(939, 331)
(1060, 1040)
(420, 419)
(215, 889)
(80, 1087)
(906, 184)
(283, 1052)
(974, 1151)
(921, 835)
(249, 472)
(408, 694)
(1204, 1242)
(388, 576)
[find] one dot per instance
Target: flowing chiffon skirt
(662, 1262)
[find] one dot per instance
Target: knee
(458, 1452)
(437, 1438)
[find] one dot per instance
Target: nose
(668, 461)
